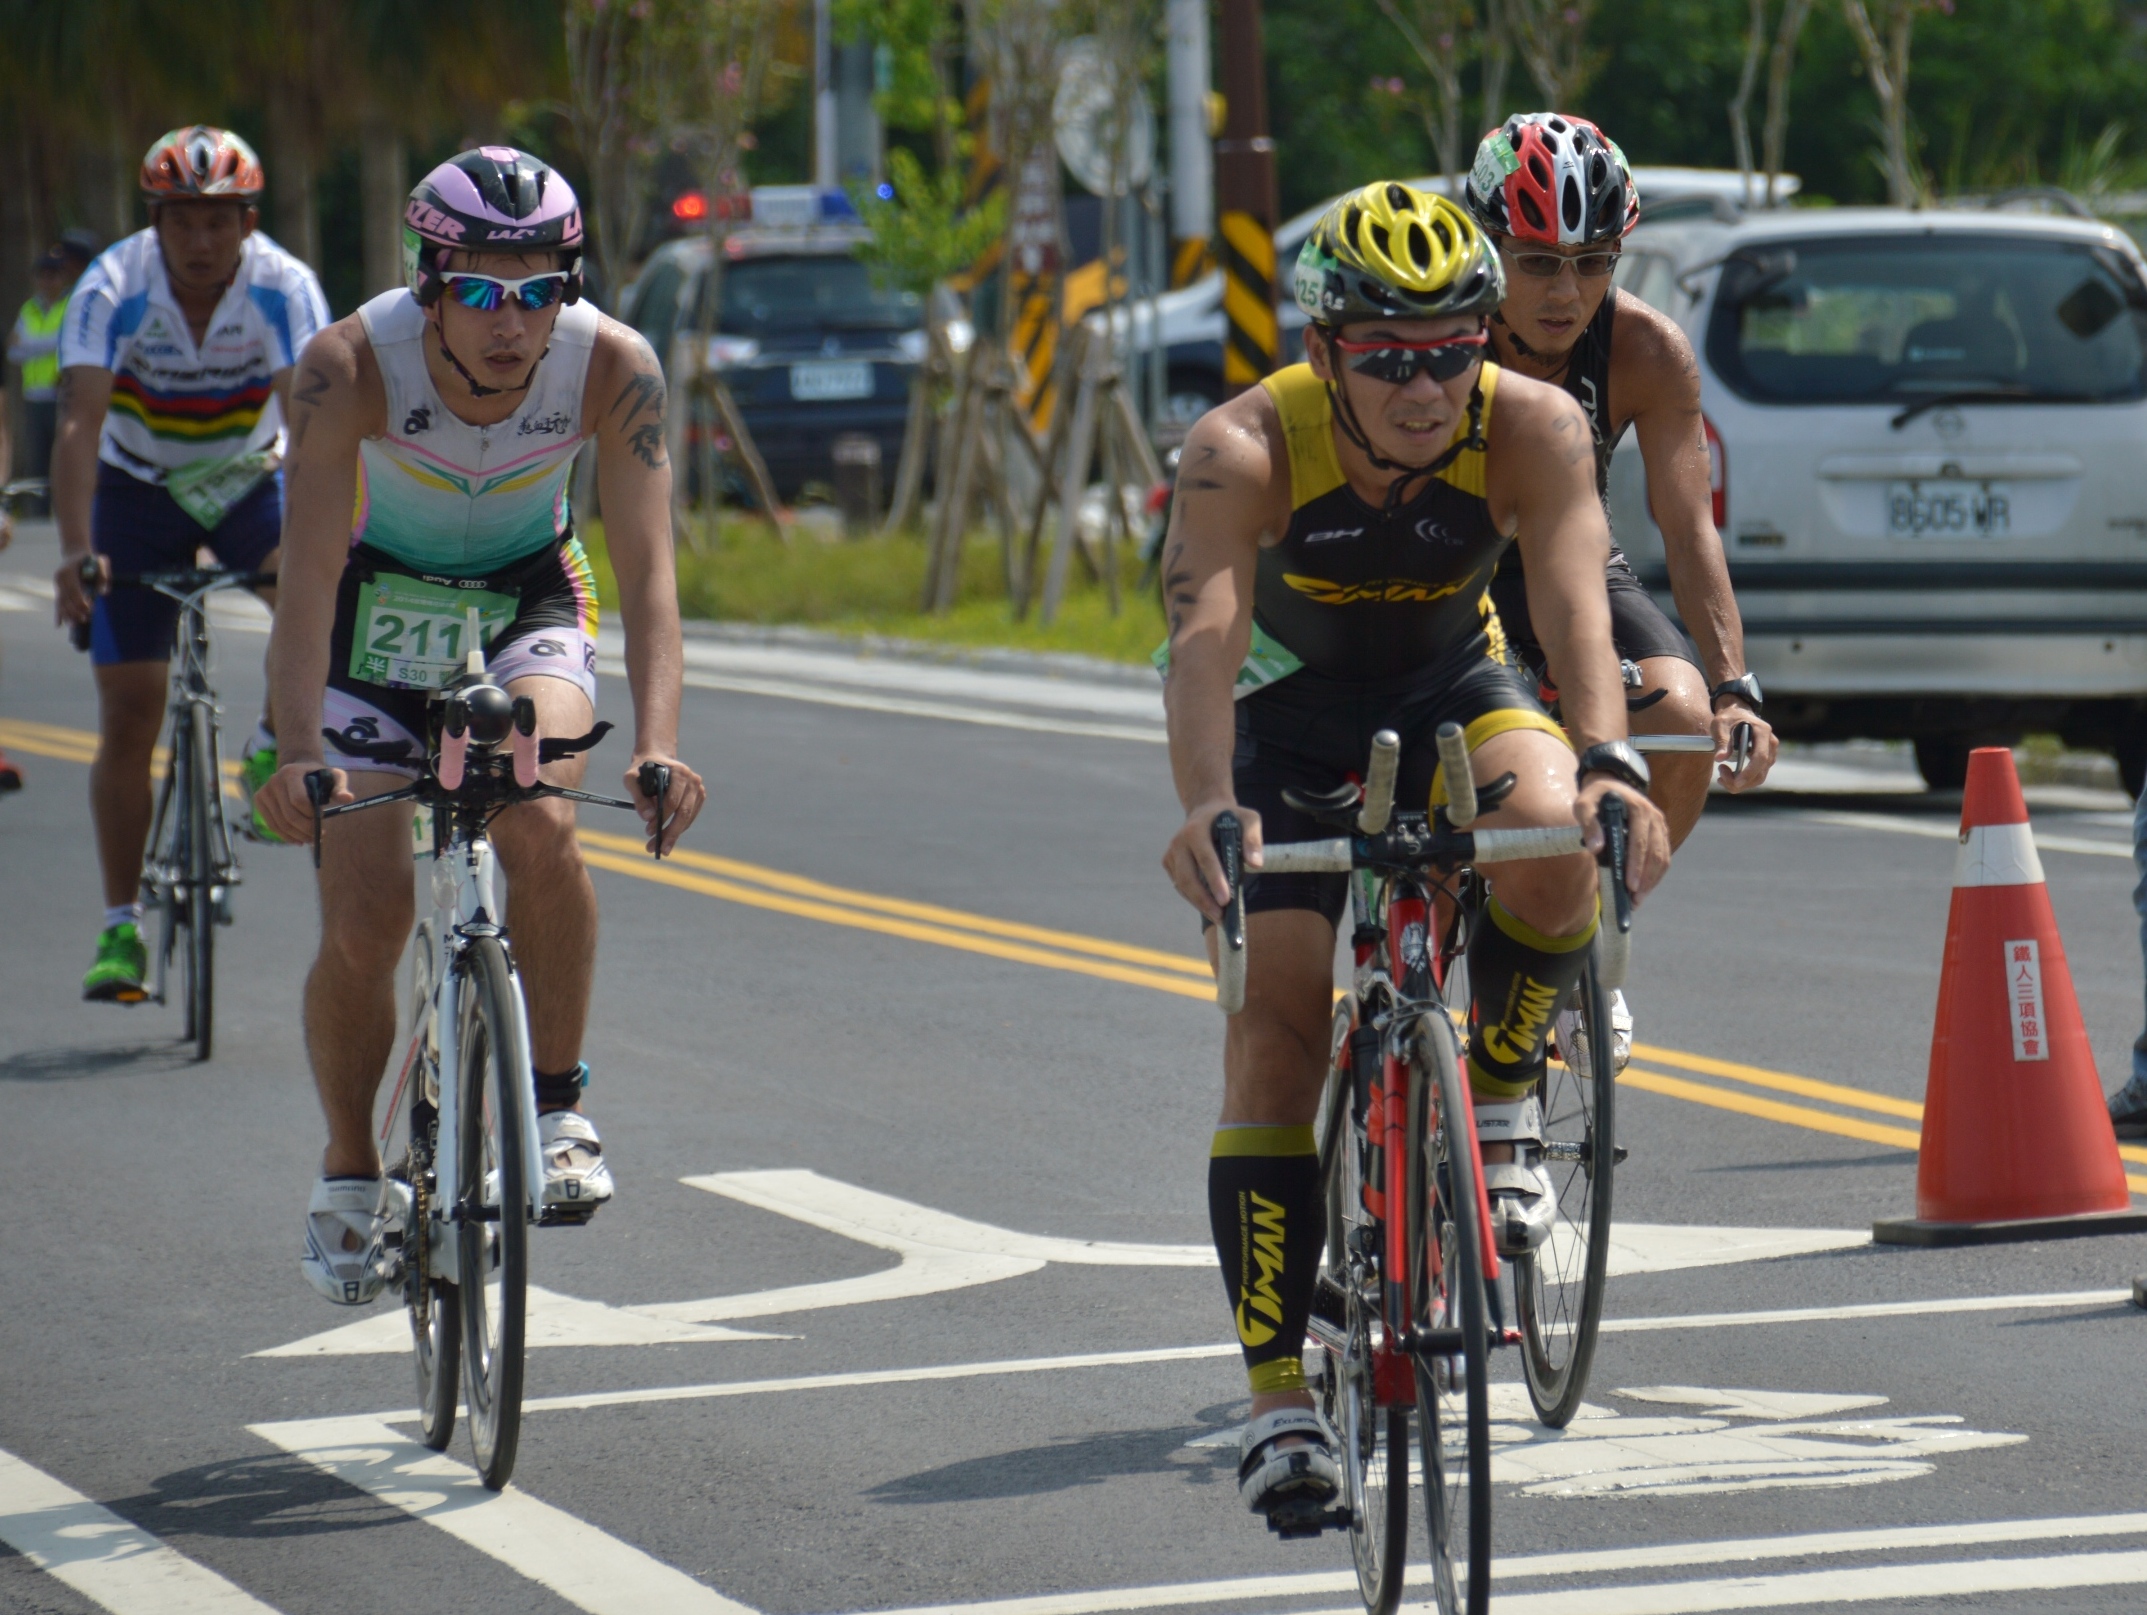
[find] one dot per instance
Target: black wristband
(1618, 759)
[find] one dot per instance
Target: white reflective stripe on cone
(1998, 855)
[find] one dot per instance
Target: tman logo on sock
(1521, 1041)
(1264, 1225)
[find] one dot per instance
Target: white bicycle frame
(465, 905)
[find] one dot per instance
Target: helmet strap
(1345, 414)
(477, 388)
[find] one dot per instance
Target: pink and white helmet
(493, 199)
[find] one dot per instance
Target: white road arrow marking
(554, 1320)
(106, 1559)
(940, 1251)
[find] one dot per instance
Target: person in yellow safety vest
(34, 345)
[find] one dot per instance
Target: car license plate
(820, 381)
(1946, 508)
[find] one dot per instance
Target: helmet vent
(1419, 246)
(1570, 205)
(1397, 198)
(1353, 226)
(1532, 213)
(1446, 236)
(1382, 243)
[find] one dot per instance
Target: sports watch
(1745, 687)
(1618, 759)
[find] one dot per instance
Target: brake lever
(1610, 814)
(320, 785)
(1740, 747)
(654, 779)
(1229, 838)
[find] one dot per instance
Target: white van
(1930, 440)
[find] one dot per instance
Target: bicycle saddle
(375, 751)
(1336, 808)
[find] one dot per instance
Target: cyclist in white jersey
(433, 434)
(175, 367)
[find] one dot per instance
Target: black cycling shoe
(2128, 1110)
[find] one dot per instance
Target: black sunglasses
(1396, 363)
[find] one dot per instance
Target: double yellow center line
(1729, 1086)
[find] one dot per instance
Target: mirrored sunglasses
(1397, 363)
(532, 293)
(1546, 265)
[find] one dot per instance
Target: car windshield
(767, 295)
(1883, 318)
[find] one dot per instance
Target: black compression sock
(1518, 979)
(561, 1091)
(1269, 1222)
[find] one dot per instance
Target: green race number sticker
(413, 635)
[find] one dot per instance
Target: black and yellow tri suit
(1386, 614)
(1390, 614)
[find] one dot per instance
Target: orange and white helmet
(201, 162)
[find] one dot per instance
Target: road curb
(984, 659)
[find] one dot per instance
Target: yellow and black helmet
(1391, 252)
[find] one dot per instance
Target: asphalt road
(998, 1139)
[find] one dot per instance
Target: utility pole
(1245, 203)
(1192, 158)
(825, 138)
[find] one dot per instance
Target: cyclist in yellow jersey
(1333, 536)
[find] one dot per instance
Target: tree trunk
(1886, 65)
(291, 173)
(1755, 44)
(1779, 65)
(1498, 55)
(383, 183)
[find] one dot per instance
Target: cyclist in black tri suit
(1556, 195)
(1333, 535)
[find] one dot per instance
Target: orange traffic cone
(2016, 1140)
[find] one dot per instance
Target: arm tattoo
(643, 392)
(313, 385)
(643, 396)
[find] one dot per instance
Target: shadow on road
(254, 1499)
(1075, 1461)
(68, 1065)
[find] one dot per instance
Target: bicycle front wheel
(1558, 1288)
(492, 1218)
(1374, 1439)
(1453, 1391)
(434, 1304)
(204, 808)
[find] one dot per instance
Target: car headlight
(725, 351)
(960, 334)
(913, 345)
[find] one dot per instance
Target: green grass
(871, 586)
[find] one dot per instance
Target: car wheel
(1943, 763)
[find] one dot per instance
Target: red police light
(690, 208)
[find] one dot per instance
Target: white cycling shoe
(576, 1178)
(1524, 1205)
(354, 1237)
(1571, 1042)
(1293, 1487)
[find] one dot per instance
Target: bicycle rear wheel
(1558, 1289)
(1374, 1439)
(204, 808)
(1453, 1391)
(435, 1305)
(493, 1216)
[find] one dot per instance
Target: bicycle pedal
(565, 1216)
(1618, 1153)
(1292, 1521)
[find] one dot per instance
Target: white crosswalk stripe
(106, 1559)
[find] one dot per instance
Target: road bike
(471, 1156)
(191, 866)
(1408, 1305)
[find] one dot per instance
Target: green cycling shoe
(256, 771)
(122, 960)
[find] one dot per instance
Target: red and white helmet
(201, 162)
(1544, 176)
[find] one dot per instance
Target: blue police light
(884, 191)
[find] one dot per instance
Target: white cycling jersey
(440, 494)
(176, 403)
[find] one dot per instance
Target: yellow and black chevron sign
(1247, 252)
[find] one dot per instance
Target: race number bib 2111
(413, 635)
